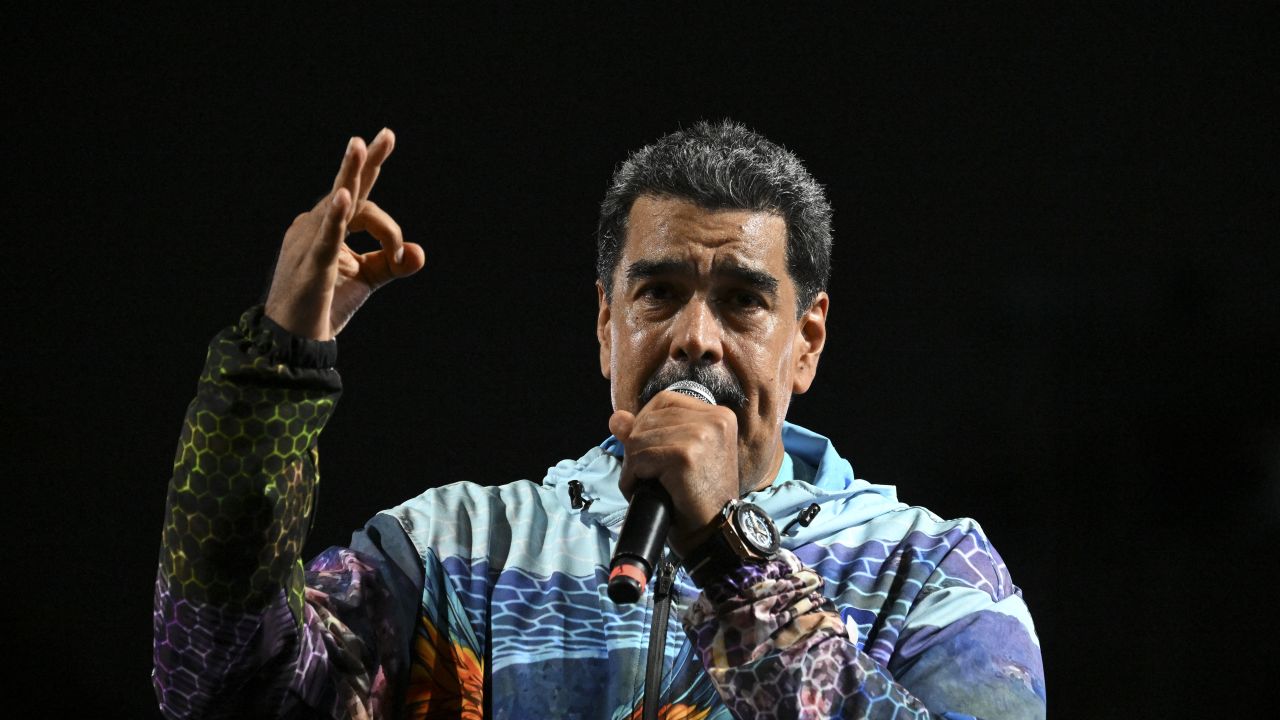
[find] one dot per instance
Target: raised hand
(319, 281)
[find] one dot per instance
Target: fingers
(397, 258)
(674, 423)
(687, 433)
(333, 227)
(379, 150)
(349, 173)
(621, 424)
(656, 462)
(361, 166)
(374, 220)
(672, 408)
(671, 438)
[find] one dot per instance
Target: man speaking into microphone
(781, 585)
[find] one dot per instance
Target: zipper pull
(666, 578)
(575, 496)
(805, 517)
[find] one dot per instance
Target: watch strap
(712, 560)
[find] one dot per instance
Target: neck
(766, 471)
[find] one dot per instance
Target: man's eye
(745, 300)
(655, 292)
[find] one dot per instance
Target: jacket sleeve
(771, 641)
(241, 628)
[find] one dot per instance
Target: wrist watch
(743, 532)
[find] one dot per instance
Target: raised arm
(238, 632)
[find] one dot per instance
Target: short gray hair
(724, 166)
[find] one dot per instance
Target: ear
(604, 331)
(811, 336)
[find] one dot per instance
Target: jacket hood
(813, 473)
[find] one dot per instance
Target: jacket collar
(813, 472)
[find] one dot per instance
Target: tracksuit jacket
(481, 601)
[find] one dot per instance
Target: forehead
(674, 228)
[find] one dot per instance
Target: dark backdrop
(1054, 298)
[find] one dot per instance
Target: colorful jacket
(490, 601)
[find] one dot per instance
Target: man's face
(705, 295)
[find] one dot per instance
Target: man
(714, 248)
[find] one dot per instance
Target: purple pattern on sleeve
(214, 662)
(776, 648)
(211, 662)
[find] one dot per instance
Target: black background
(1054, 302)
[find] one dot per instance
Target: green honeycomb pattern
(245, 474)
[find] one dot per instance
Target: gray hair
(724, 166)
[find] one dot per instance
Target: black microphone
(645, 530)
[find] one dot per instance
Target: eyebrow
(757, 279)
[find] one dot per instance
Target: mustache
(722, 383)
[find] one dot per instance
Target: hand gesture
(319, 281)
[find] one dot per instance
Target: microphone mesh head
(693, 389)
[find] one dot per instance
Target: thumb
(621, 423)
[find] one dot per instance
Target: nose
(696, 335)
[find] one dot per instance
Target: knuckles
(725, 421)
(709, 423)
(704, 435)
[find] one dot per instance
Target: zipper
(658, 638)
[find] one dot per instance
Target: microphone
(645, 530)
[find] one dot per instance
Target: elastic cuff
(268, 339)
(739, 582)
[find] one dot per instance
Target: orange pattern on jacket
(446, 679)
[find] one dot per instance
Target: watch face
(757, 529)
